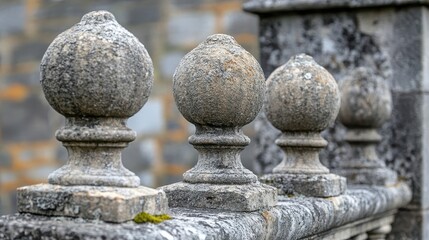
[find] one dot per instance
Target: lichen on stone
(144, 217)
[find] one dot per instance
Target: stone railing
(97, 74)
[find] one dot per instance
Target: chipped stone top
(96, 69)
(366, 100)
(284, 221)
(301, 96)
(267, 6)
(219, 84)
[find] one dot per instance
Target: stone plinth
(219, 87)
(96, 74)
(302, 99)
(110, 204)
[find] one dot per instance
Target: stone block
(140, 155)
(326, 185)
(179, 153)
(368, 176)
(12, 17)
(238, 22)
(244, 198)
(15, 125)
(144, 12)
(5, 159)
(169, 63)
(29, 51)
(110, 204)
(150, 119)
(190, 28)
(410, 225)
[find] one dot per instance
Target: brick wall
(168, 29)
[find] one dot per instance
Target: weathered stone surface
(97, 55)
(291, 218)
(231, 197)
(321, 185)
(264, 6)
(110, 204)
(302, 99)
(96, 74)
(342, 40)
(219, 87)
(366, 105)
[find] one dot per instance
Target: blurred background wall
(167, 28)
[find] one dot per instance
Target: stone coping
(291, 218)
(267, 6)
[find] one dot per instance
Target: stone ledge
(267, 6)
(284, 221)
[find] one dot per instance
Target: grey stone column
(388, 36)
(219, 87)
(96, 74)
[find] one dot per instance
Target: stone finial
(219, 87)
(96, 74)
(302, 99)
(366, 105)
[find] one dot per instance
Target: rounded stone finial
(219, 84)
(302, 96)
(302, 99)
(366, 100)
(96, 74)
(97, 69)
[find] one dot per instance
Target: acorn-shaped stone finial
(96, 74)
(366, 105)
(302, 99)
(219, 87)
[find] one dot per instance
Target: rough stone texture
(110, 204)
(219, 87)
(366, 104)
(342, 40)
(361, 209)
(302, 99)
(96, 74)
(231, 197)
(315, 185)
(264, 6)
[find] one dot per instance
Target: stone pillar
(96, 74)
(302, 100)
(219, 87)
(388, 36)
(365, 106)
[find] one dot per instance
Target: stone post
(96, 74)
(366, 105)
(388, 36)
(219, 87)
(302, 100)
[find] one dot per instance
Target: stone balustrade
(97, 75)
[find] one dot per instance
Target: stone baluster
(219, 87)
(302, 99)
(379, 233)
(96, 74)
(366, 105)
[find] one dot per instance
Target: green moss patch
(146, 217)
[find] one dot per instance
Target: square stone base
(243, 198)
(110, 204)
(323, 185)
(369, 176)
